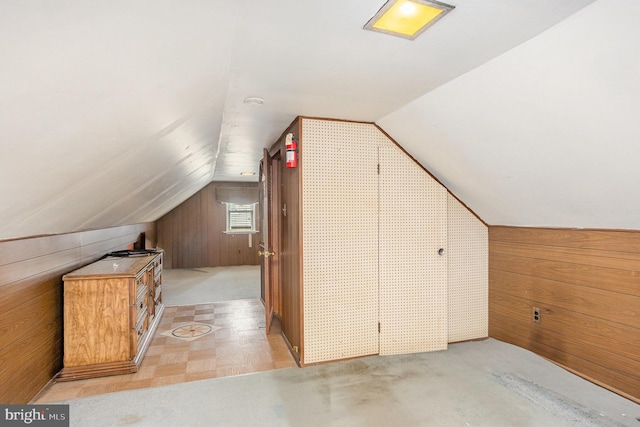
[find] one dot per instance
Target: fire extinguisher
(292, 151)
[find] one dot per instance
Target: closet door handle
(441, 251)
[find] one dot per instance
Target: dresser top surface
(112, 267)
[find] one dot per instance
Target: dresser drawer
(141, 294)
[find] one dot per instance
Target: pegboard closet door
(340, 239)
(413, 276)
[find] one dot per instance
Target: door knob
(441, 251)
(266, 254)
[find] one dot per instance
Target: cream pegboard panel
(340, 239)
(413, 277)
(468, 274)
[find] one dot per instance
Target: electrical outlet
(536, 314)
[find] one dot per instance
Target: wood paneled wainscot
(111, 311)
(584, 285)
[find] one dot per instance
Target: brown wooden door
(266, 251)
(275, 234)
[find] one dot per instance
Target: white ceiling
(547, 134)
(114, 112)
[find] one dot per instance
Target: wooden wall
(31, 271)
(192, 233)
(586, 284)
(290, 285)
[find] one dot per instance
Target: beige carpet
(190, 286)
(472, 384)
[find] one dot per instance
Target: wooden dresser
(111, 311)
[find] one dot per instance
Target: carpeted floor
(191, 286)
(486, 383)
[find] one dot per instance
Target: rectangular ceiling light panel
(407, 18)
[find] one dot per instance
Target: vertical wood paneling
(211, 228)
(176, 229)
(192, 233)
(194, 242)
(585, 283)
(276, 233)
(183, 238)
(201, 236)
(31, 272)
(291, 240)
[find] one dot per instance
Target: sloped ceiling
(115, 112)
(546, 134)
(110, 111)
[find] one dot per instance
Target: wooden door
(265, 245)
(275, 233)
(413, 270)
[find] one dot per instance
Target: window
(241, 218)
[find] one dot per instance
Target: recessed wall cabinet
(111, 311)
